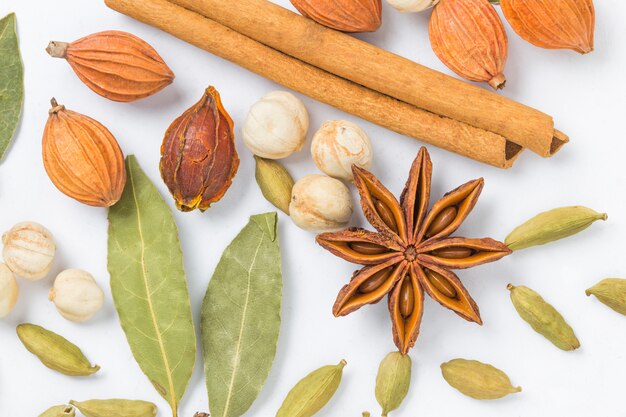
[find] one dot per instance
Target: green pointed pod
(116, 408)
(611, 292)
(275, 182)
(59, 411)
(393, 381)
(313, 392)
(55, 351)
(543, 317)
(477, 380)
(551, 226)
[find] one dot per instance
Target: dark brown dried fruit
(412, 252)
(198, 155)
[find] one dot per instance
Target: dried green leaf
(241, 317)
(313, 392)
(477, 380)
(611, 292)
(11, 81)
(59, 411)
(149, 285)
(393, 381)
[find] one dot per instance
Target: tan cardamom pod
(275, 182)
(198, 154)
(543, 318)
(552, 225)
(549, 24)
(54, 351)
(116, 408)
(116, 65)
(59, 411)
(611, 292)
(313, 392)
(393, 381)
(82, 158)
(477, 380)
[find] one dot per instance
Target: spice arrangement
(412, 252)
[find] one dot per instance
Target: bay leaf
(11, 81)
(149, 285)
(241, 317)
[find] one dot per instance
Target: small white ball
(338, 145)
(412, 5)
(76, 295)
(276, 126)
(320, 203)
(8, 290)
(29, 250)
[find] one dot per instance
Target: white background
(585, 94)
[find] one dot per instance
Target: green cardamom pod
(116, 408)
(393, 381)
(275, 182)
(54, 351)
(552, 225)
(59, 411)
(543, 318)
(611, 292)
(477, 380)
(366, 414)
(313, 392)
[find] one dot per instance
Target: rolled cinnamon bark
(370, 105)
(383, 71)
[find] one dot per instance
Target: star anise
(412, 252)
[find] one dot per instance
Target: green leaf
(241, 318)
(149, 285)
(11, 82)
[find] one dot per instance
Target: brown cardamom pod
(198, 154)
(82, 158)
(343, 15)
(116, 65)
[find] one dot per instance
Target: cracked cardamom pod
(477, 380)
(313, 392)
(116, 408)
(275, 182)
(393, 381)
(543, 317)
(59, 411)
(54, 351)
(611, 292)
(198, 154)
(551, 226)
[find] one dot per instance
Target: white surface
(586, 95)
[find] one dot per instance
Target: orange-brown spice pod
(343, 15)
(116, 65)
(469, 38)
(198, 154)
(82, 158)
(549, 24)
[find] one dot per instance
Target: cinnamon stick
(370, 105)
(383, 71)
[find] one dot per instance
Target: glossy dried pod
(543, 317)
(198, 154)
(611, 292)
(116, 65)
(82, 158)
(469, 38)
(549, 24)
(343, 15)
(477, 380)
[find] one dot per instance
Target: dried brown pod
(116, 65)
(343, 15)
(549, 24)
(469, 38)
(198, 154)
(82, 158)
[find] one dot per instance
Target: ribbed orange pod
(343, 15)
(82, 158)
(116, 65)
(469, 38)
(550, 24)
